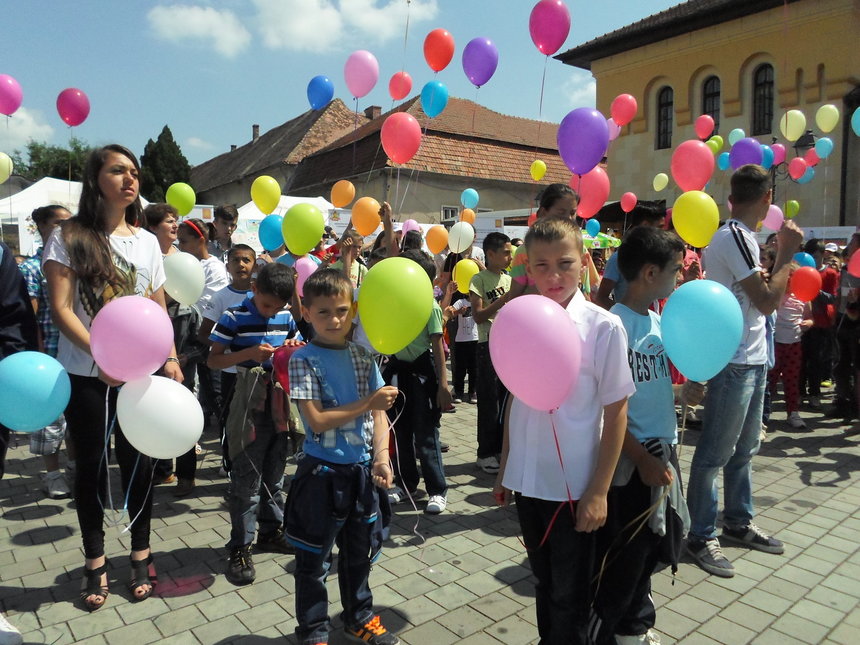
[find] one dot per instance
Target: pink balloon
(131, 337)
(410, 225)
(811, 157)
(73, 107)
(623, 109)
(797, 167)
(361, 72)
(401, 137)
(400, 85)
(10, 95)
(549, 25)
(692, 165)
(304, 268)
(774, 218)
(778, 153)
(547, 337)
(628, 202)
(614, 129)
(704, 126)
(593, 191)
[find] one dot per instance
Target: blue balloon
(723, 161)
(804, 259)
(34, 391)
(766, 156)
(855, 122)
(701, 326)
(592, 227)
(320, 92)
(434, 98)
(469, 198)
(270, 232)
(807, 176)
(823, 147)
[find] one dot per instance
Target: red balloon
(280, 362)
(704, 126)
(628, 202)
(593, 190)
(623, 109)
(797, 167)
(692, 165)
(401, 137)
(533, 218)
(854, 264)
(549, 25)
(805, 283)
(438, 49)
(73, 106)
(811, 157)
(400, 85)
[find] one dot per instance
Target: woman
(161, 222)
(95, 257)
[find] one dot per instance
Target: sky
(209, 70)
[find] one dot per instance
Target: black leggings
(85, 419)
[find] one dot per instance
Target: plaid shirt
(37, 287)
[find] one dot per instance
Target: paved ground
(464, 581)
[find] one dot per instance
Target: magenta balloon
(778, 153)
(549, 25)
(745, 151)
(400, 85)
(593, 191)
(692, 165)
(361, 72)
(10, 95)
(73, 107)
(583, 137)
(480, 59)
(544, 369)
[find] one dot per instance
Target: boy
(488, 292)
(334, 498)
(225, 220)
(560, 465)
(258, 420)
(650, 261)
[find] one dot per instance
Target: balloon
(400, 85)
(160, 417)
(704, 126)
(537, 169)
(437, 239)
(797, 167)
(774, 218)
(10, 95)
(304, 268)
(34, 391)
(723, 162)
(410, 225)
(545, 368)
(778, 153)
(696, 218)
(792, 124)
(592, 227)
(469, 198)
(804, 259)
(266, 193)
(281, 363)
(438, 49)
(593, 191)
(746, 151)
(766, 157)
(855, 121)
(736, 135)
(661, 180)
(701, 327)
(623, 109)
(365, 215)
(361, 72)
(480, 59)
(811, 157)
(805, 283)
(583, 137)
(73, 106)
(6, 167)
(854, 264)
(532, 219)
(401, 137)
(131, 337)
(394, 303)
(549, 25)
(827, 117)
(718, 140)
(460, 237)
(823, 147)
(692, 165)
(184, 277)
(628, 202)
(464, 271)
(342, 193)
(181, 196)
(614, 129)
(320, 92)
(303, 227)
(434, 98)
(712, 146)
(792, 208)
(271, 232)
(468, 216)
(807, 175)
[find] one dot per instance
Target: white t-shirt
(467, 329)
(533, 467)
(217, 303)
(215, 278)
(731, 257)
(141, 256)
(788, 318)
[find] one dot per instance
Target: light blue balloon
(723, 161)
(823, 147)
(320, 92)
(701, 327)
(855, 121)
(804, 259)
(736, 135)
(807, 176)
(592, 227)
(271, 232)
(434, 98)
(34, 391)
(766, 156)
(469, 198)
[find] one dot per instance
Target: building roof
(677, 20)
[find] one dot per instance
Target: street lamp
(804, 144)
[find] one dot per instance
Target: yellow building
(745, 62)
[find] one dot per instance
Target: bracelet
(171, 359)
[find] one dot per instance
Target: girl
(95, 257)
(161, 222)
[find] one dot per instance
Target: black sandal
(140, 577)
(94, 587)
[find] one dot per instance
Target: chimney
(255, 132)
(373, 112)
(232, 147)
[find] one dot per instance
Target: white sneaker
(762, 435)
(436, 504)
(651, 638)
(55, 485)
(489, 464)
(794, 421)
(8, 634)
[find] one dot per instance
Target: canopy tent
(250, 217)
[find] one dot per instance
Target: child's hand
(443, 398)
(692, 393)
(260, 353)
(385, 211)
(501, 494)
(653, 471)
(381, 474)
(383, 398)
(590, 512)
(294, 342)
(173, 371)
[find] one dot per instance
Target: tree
(162, 164)
(43, 160)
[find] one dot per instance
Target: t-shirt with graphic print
(489, 287)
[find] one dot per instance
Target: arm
(206, 326)
(18, 329)
(593, 275)
(219, 360)
(501, 494)
(443, 394)
(381, 471)
(390, 240)
(603, 297)
(767, 295)
(807, 321)
(651, 469)
(171, 367)
(482, 314)
(323, 419)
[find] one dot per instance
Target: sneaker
(184, 487)
(397, 495)
(650, 638)
(9, 635)
(709, 556)
(275, 543)
(753, 537)
(436, 504)
(473, 400)
(373, 632)
(167, 479)
(458, 398)
(762, 434)
(815, 403)
(240, 566)
(489, 465)
(55, 485)
(827, 383)
(444, 447)
(794, 421)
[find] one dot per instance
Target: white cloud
(386, 20)
(199, 144)
(24, 125)
(580, 90)
(182, 23)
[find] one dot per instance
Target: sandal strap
(140, 572)
(94, 587)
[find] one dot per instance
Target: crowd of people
(596, 482)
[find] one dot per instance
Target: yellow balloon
(827, 117)
(342, 193)
(718, 140)
(661, 180)
(712, 145)
(538, 169)
(696, 218)
(266, 194)
(792, 124)
(5, 167)
(464, 271)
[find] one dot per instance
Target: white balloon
(460, 237)
(184, 278)
(160, 417)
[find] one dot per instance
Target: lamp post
(804, 144)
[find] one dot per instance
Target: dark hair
(227, 212)
(495, 242)
(276, 279)
(238, 248)
(412, 240)
(517, 241)
(553, 229)
(423, 260)
(44, 214)
(770, 238)
(749, 184)
(196, 227)
(326, 283)
(770, 253)
(647, 245)
(552, 193)
(814, 246)
(155, 214)
(377, 254)
(651, 213)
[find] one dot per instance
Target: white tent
(250, 217)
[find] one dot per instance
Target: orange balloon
(437, 239)
(365, 215)
(342, 193)
(468, 216)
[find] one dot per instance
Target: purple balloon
(583, 137)
(480, 59)
(745, 151)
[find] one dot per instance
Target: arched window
(665, 108)
(711, 100)
(762, 121)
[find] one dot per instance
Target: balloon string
(405, 36)
(397, 189)
(570, 501)
(391, 424)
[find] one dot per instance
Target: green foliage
(162, 164)
(43, 160)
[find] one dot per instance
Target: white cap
(832, 247)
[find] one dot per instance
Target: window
(762, 122)
(711, 100)
(665, 107)
(450, 214)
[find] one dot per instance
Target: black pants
(846, 363)
(817, 358)
(465, 366)
(186, 465)
(85, 419)
(491, 393)
(4, 445)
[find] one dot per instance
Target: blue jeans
(729, 440)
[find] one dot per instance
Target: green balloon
(303, 228)
(181, 196)
(394, 302)
(792, 208)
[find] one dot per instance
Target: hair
(227, 212)
(770, 238)
(553, 229)
(376, 255)
(423, 260)
(647, 245)
(240, 248)
(325, 283)
(195, 227)
(749, 184)
(412, 240)
(356, 237)
(517, 241)
(276, 279)
(44, 214)
(769, 252)
(814, 246)
(552, 193)
(155, 214)
(495, 242)
(650, 213)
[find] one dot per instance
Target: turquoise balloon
(804, 259)
(592, 227)
(823, 147)
(469, 198)
(723, 161)
(855, 122)
(736, 135)
(34, 391)
(807, 176)
(270, 232)
(766, 157)
(434, 98)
